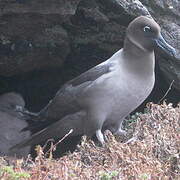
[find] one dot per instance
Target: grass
(150, 151)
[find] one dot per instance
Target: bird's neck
(134, 49)
(138, 59)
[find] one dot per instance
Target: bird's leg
(100, 136)
(94, 124)
(120, 131)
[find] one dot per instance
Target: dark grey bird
(11, 123)
(102, 97)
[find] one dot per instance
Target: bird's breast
(128, 93)
(117, 93)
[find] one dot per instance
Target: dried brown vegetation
(151, 151)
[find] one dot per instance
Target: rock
(42, 45)
(32, 36)
(171, 68)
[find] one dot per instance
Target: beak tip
(173, 52)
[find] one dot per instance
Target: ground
(149, 151)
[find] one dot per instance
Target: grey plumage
(11, 101)
(102, 97)
(11, 123)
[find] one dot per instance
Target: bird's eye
(147, 29)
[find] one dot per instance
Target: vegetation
(150, 151)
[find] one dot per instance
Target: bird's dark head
(145, 33)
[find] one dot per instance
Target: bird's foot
(100, 137)
(121, 132)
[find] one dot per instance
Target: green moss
(108, 175)
(11, 174)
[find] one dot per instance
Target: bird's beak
(161, 43)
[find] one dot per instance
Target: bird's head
(145, 33)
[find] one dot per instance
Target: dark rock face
(38, 37)
(32, 36)
(45, 43)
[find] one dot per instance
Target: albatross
(102, 97)
(11, 122)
